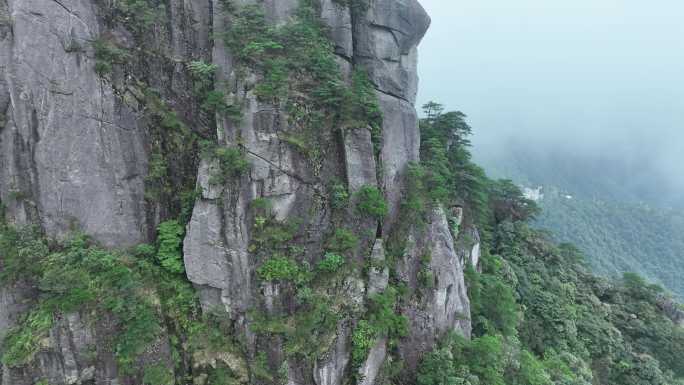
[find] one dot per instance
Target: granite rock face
(72, 154)
(75, 154)
(432, 266)
(386, 39)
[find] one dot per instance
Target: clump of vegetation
(342, 241)
(174, 159)
(279, 269)
(380, 320)
(331, 263)
(158, 375)
(81, 276)
(339, 196)
(170, 239)
(137, 291)
(137, 15)
(363, 339)
(211, 100)
(21, 252)
(107, 55)
(371, 202)
(232, 164)
(297, 69)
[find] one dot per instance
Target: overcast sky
(602, 76)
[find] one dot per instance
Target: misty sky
(594, 76)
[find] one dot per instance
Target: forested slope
(539, 315)
(620, 237)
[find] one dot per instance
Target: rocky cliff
(280, 132)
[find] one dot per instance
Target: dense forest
(619, 237)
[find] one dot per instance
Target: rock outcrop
(77, 147)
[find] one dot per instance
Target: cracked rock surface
(75, 154)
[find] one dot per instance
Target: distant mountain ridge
(623, 215)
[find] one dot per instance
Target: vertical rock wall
(74, 154)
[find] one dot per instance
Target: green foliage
(279, 269)
(231, 163)
(81, 276)
(211, 100)
(446, 173)
(363, 339)
(107, 55)
(531, 372)
(134, 293)
(371, 202)
(508, 203)
(342, 241)
(331, 263)
(272, 236)
(21, 251)
(312, 325)
(202, 71)
(339, 196)
(381, 319)
(158, 375)
(297, 68)
(459, 361)
(21, 343)
(138, 15)
(174, 159)
(170, 238)
(493, 304)
(361, 109)
(382, 315)
(489, 365)
(619, 237)
(538, 316)
(222, 376)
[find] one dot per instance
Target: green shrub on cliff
(170, 237)
(371, 202)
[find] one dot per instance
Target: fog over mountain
(588, 95)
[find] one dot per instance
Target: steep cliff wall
(293, 121)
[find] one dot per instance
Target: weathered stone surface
(280, 11)
(338, 18)
(69, 147)
(443, 305)
(378, 273)
(14, 300)
(75, 353)
(468, 245)
(74, 155)
(204, 247)
(385, 44)
(400, 146)
(368, 372)
(332, 368)
(359, 159)
(475, 255)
